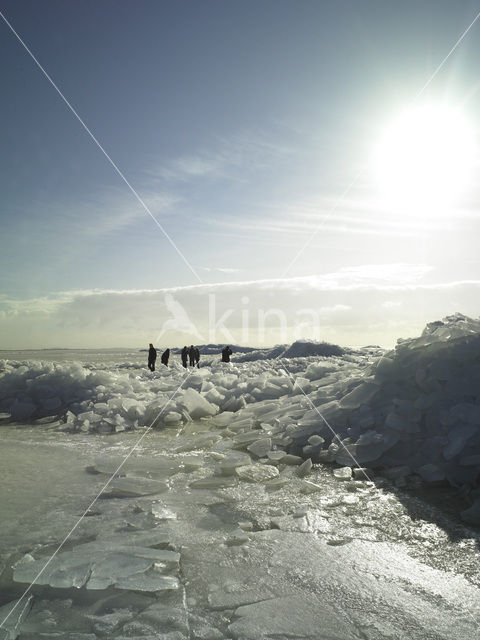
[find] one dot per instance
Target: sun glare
(423, 163)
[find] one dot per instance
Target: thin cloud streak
(301, 228)
(229, 158)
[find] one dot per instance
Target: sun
(423, 162)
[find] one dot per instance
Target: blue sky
(240, 124)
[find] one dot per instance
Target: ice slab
(369, 447)
(169, 614)
(109, 570)
(344, 473)
(384, 368)
(362, 394)
(310, 487)
(227, 597)
(246, 438)
(134, 487)
(276, 483)
(106, 562)
(291, 460)
(305, 468)
(223, 419)
(237, 538)
(228, 465)
(276, 456)
(150, 581)
(260, 448)
(63, 571)
(172, 418)
(362, 473)
(431, 473)
(257, 473)
(394, 473)
(12, 616)
(214, 482)
(192, 463)
(110, 622)
(196, 405)
(296, 616)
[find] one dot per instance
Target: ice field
(299, 497)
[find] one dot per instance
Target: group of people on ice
(192, 354)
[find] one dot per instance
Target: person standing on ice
(226, 353)
(165, 357)
(191, 353)
(197, 357)
(184, 356)
(152, 356)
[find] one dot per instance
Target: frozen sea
(195, 535)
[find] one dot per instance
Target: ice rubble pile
(417, 409)
(32, 390)
(303, 348)
(115, 399)
(298, 349)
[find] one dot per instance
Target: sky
(276, 170)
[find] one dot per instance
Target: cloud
(97, 216)
(400, 273)
(114, 210)
(336, 308)
(227, 157)
(219, 269)
(361, 305)
(301, 218)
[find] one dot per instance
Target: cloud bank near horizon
(353, 306)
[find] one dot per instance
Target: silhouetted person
(165, 357)
(226, 353)
(152, 356)
(197, 357)
(184, 356)
(191, 353)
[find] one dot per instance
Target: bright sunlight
(424, 161)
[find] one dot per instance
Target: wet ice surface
(195, 541)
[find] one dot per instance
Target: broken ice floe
(256, 473)
(121, 562)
